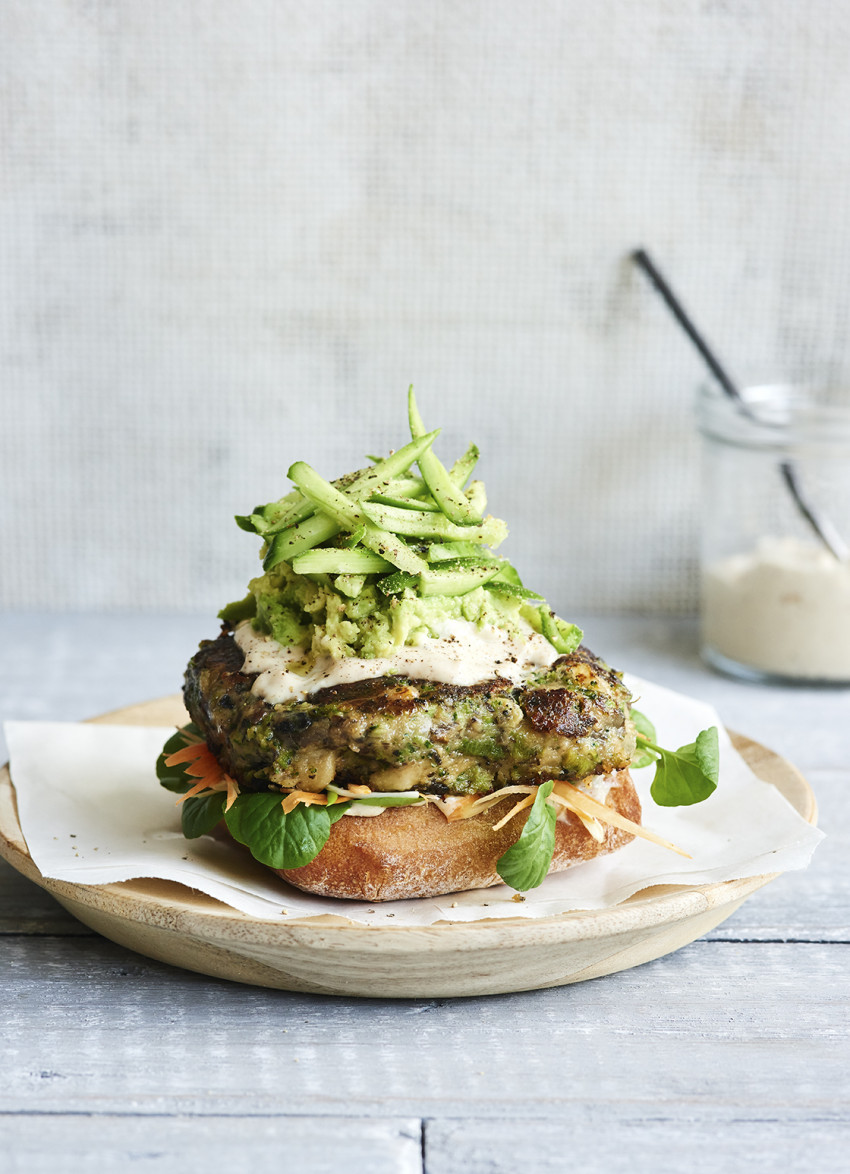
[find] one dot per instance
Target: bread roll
(417, 852)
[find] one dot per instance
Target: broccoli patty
(396, 734)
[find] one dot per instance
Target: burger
(390, 713)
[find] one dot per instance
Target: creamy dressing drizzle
(463, 654)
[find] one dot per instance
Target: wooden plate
(331, 955)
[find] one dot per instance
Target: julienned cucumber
(388, 528)
(452, 502)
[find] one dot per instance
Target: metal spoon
(822, 526)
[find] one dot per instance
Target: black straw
(642, 258)
(821, 526)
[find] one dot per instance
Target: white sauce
(782, 609)
(464, 654)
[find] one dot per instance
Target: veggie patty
(395, 734)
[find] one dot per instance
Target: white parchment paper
(92, 812)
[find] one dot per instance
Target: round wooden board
(331, 955)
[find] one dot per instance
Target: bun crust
(416, 852)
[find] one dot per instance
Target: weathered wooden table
(731, 1054)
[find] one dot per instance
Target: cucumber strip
(350, 585)
(442, 552)
(509, 574)
(355, 537)
(349, 515)
(406, 487)
(476, 495)
(298, 512)
(376, 479)
(454, 580)
(246, 522)
(360, 484)
(273, 511)
(336, 505)
(395, 551)
(299, 539)
(420, 524)
(461, 470)
(504, 588)
(334, 561)
(294, 508)
(406, 503)
(452, 501)
(395, 584)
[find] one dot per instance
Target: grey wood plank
(758, 1026)
(616, 1143)
(25, 908)
(240, 1145)
(73, 666)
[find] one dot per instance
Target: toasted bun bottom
(417, 852)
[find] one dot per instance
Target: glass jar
(775, 598)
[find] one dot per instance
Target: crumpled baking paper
(92, 812)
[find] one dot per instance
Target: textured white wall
(234, 230)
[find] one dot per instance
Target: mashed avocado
(295, 609)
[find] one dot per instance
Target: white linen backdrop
(233, 232)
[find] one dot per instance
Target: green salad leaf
(689, 774)
(526, 862)
(643, 755)
(277, 839)
(201, 813)
(684, 776)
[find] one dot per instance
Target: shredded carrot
(526, 802)
(462, 809)
(232, 792)
(186, 753)
(202, 785)
(579, 802)
(201, 763)
(306, 797)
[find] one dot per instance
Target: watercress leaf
(643, 725)
(174, 778)
(335, 810)
(687, 775)
(526, 862)
(643, 755)
(276, 839)
(201, 813)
